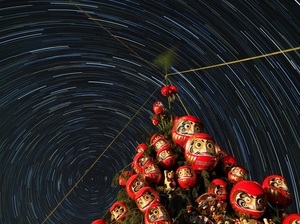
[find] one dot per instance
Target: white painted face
(145, 200)
(278, 183)
(186, 127)
(164, 155)
(237, 171)
(142, 161)
(200, 146)
(151, 168)
(250, 202)
(185, 172)
(220, 192)
(117, 212)
(137, 184)
(158, 213)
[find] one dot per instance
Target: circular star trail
(78, 83)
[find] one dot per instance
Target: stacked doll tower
(180, 175)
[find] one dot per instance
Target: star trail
(74, 74)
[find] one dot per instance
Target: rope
(184, 107)
(234, 62)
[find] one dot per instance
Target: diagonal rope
(234, 62)
(182, 104)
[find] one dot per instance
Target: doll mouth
(255, 209)
(119, 215)
(166, 157)
(146, 205)
(282, 188)
(137, 188)
(198, 153)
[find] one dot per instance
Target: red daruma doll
(200, 152)
(152, 173)
(248, 198)
(146, 197)
(99, 221)
(157, 214)
(184, 127)
(218, 189)
(158, 141)
(118, 211)
(141, 147)
(140, 160)
(227, 162)
(169, 91)
(159, 108)
(277, 191)
(293, 218)
(186, 176)
(135, 183)
(165, 158)
(124, 176)
(237, 174)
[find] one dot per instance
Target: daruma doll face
(184, 127)
(186, 177)
(277, 191)
(248, 198)
(200, 152)
(157, 214)
(118, 211)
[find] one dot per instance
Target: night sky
(78, 83)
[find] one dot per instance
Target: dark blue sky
(74, 74)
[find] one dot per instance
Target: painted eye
(247, 199)
(210, 145)
(197, 128)
(188, 172)
(141, 161)
(187, 126)
(260, 201)
(217, 190)
(147, 197)
(279, 182)
(180, 173)
(198, 144)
